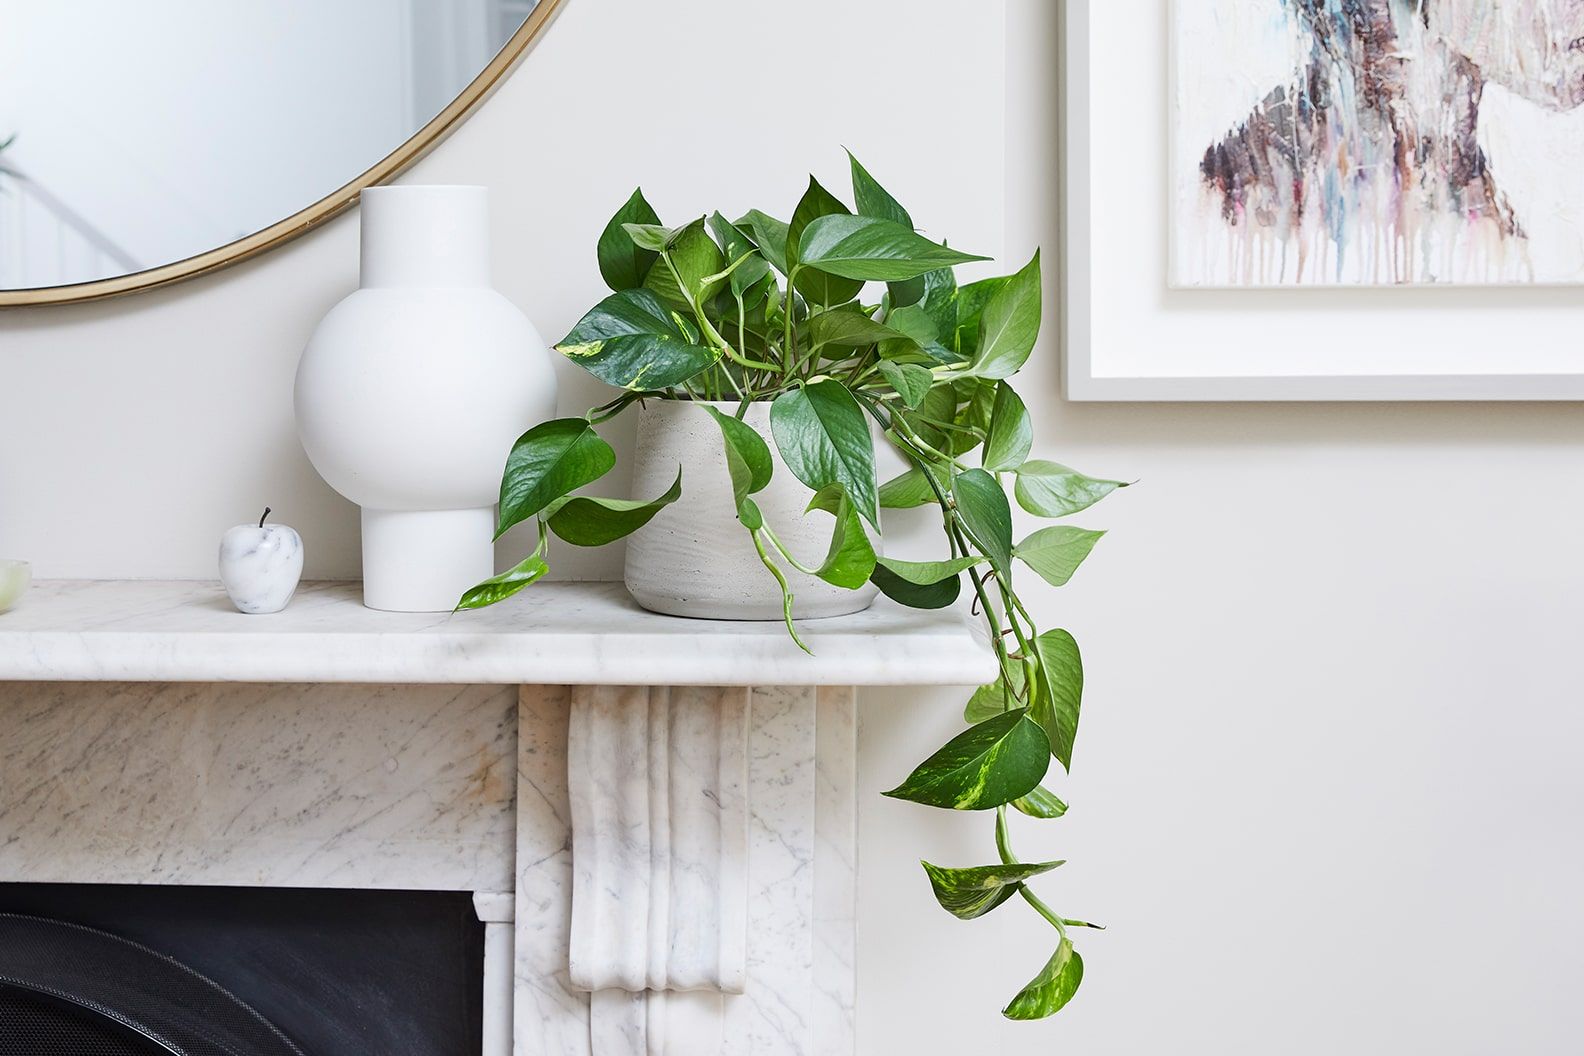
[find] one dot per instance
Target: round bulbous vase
(412, 390)
(695, 558)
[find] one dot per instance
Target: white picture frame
(1109, 349)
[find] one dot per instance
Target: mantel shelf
(552, 634)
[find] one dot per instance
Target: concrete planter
(694, 558)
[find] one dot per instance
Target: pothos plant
(761, 309)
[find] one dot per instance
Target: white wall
(1325, 794)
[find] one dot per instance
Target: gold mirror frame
(394, 164)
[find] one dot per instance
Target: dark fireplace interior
(89, 970)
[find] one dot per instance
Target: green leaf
(748, 461)
(908, 293)
(1010, 325)
(690, 257)
(925, 573)
(772, 236)
(547, 462)
(1055, 553)
(937, 595)
(921, 338)
(849, 328)
(997, 761)
(818, 286)
(911, 381)
(976, 397)
(851, 557)
(503, 586)
(969, 894)
(1047, 489)
(622, 264)
(1041, 803)
(923, 584)
(1060, 696)
(970, 303)
(589, 521)
(652, 237)
(906, 491)
(987, 515)
(631, 340)
(941, 406)
(1011, 431)
(753, 272)
(939, 302)
(873, 199)
(824, 439)
(865, 248)
(992, 700)
(1050, 991)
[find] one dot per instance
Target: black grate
(71, 986)
(41, 1026)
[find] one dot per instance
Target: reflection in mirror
(140, 134)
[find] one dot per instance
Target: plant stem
(900, 425)
(786, 592)
(1004, 846)
(954, 533)
(775, 540)
(786, 311)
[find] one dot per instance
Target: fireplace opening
(90, 970)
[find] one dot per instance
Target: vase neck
(425, 237)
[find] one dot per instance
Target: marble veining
(836, 873)
(551, 1018)
(658, 781)
(798, 881)
(662, 871)
(260, 566)
(247, 785)
(552, 634)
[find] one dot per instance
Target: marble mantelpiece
(552, 634)
(656, 816)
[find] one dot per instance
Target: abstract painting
(1377, 142)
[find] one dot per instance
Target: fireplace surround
(654, 818)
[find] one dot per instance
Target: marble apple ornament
(261, 565)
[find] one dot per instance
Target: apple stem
(266, 514)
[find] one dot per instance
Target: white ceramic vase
(694, 558)
(412, 390)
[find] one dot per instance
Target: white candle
(260, 565)
(14, 579)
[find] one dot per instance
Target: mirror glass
(141, 134)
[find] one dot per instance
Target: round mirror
(143, 143)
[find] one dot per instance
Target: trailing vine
(764, 310)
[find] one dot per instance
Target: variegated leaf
(971, 893)
(990, 765)
(1041, 803)
(1049, 991)
(632, 340)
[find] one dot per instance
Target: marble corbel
(708, 839)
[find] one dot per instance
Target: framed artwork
(1363, 159)
(1324, 199)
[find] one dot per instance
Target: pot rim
(645, 401)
